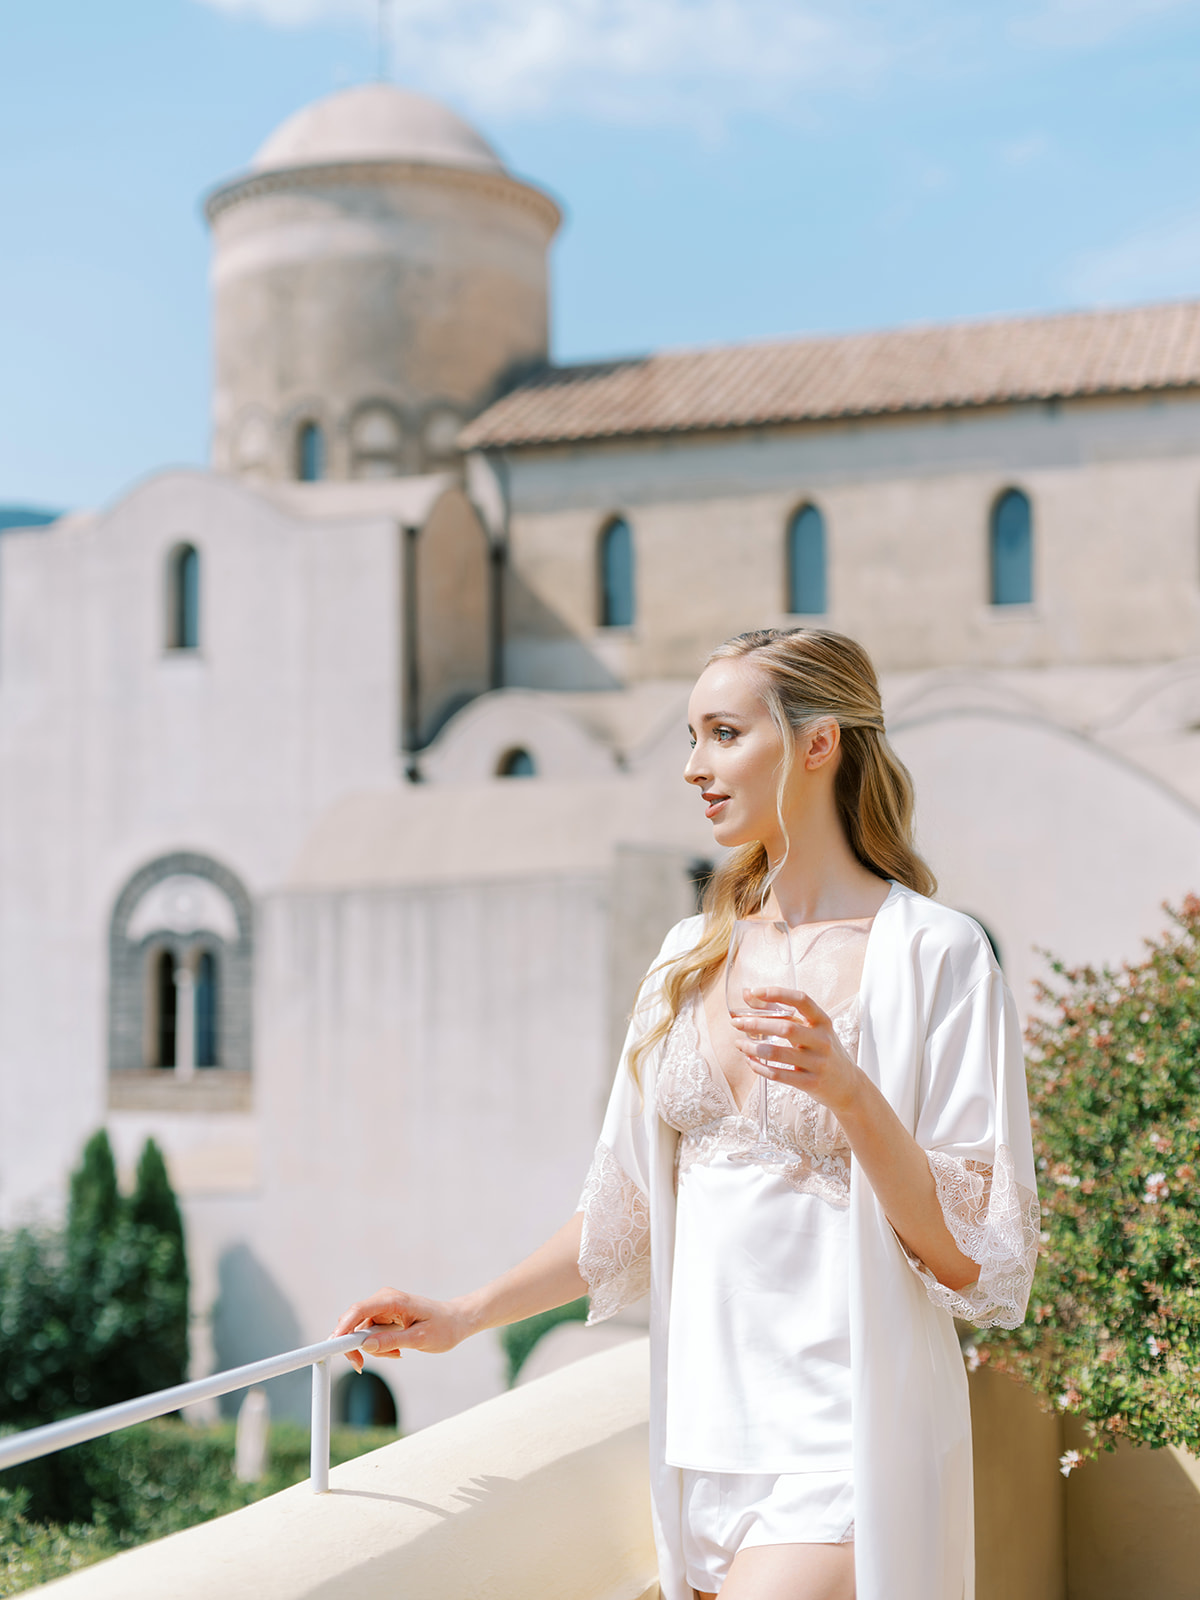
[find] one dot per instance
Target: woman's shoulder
(941, 937)
(684, 936)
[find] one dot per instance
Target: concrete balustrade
(543, 1491)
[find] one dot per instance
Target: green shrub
(1113, 1332)
(90, 1316)
(148, 1481)
(519, 1338)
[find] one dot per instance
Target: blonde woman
(810, 1430)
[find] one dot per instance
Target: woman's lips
(713, 804)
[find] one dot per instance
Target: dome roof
(376, 122)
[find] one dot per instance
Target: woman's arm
(898, 1171)
(892, 1161)
(549, 1277)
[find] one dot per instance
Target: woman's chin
(729, 835)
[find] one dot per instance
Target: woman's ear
(821, 743)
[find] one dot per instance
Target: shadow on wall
(541, 651)
(1133, 1524)
(253, 1319)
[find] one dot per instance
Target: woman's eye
(724, 735)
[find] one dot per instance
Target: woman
(810, 1429)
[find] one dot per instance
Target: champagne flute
(760, 956)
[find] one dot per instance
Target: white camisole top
(758, 1347)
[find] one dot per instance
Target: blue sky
(731, 169)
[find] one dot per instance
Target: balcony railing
(35, 1442)
(543, 1490)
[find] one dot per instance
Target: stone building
(340, 799)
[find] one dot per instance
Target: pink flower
(1068, 1462)
(1160, 1142)
(1157, 1188)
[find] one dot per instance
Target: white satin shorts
(724, 1512)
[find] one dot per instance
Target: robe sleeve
(614, 1255)
(973, 1124)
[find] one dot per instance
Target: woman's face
(736, 754)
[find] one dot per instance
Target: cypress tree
(158, 1227)
(95, 1202)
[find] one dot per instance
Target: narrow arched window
(616, 575)
(206, 1010)
(310, 453)
(1012, 550)
(163, 991)
(806, 593)
(183, 598)
(376, 443)
(516, 764)
(363, 1400)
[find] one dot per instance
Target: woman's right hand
(399, 1321)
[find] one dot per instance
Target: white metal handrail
(35, 1442)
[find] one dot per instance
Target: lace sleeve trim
(995, 1221)
(614, 1254)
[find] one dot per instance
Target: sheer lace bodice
(694, 1096)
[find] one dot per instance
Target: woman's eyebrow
(720, 716)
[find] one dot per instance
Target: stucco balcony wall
(541, 1491)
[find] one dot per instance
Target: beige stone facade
(440, 959)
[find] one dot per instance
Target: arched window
(365, 1401)
(183, 598)
(163, 1000)
(806, 562)
(516, 764)
(376, 442)
(310, 453)
(181, 969)
(207, 1030)
(616, 575)
(1012, 550)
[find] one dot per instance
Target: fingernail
(370, 1345)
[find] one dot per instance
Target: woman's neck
(821, 879)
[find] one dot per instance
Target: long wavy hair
(805, 674)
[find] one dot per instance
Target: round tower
(378, 277)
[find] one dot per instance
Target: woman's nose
(693, 771)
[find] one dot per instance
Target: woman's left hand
(812, 1059)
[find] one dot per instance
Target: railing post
(319, 1457)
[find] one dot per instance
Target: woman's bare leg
(790, 1572)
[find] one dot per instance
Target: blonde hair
(805, 674)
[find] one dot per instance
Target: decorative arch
(183, 598)
(616, 572)
(807, 586)
(310, 451)
(516, 763)
(1011, 549)
(376, 441)
(363, 1400)
(180, 957)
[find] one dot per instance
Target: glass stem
(763, 1137)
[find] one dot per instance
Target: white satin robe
(941, 1038)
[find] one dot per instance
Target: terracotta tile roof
(855, 375)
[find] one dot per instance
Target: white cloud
(699, 60)
(641, 60)
(1159, 263)
(1026, 151)
(1086, 24)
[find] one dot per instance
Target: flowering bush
(1113, 1332)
